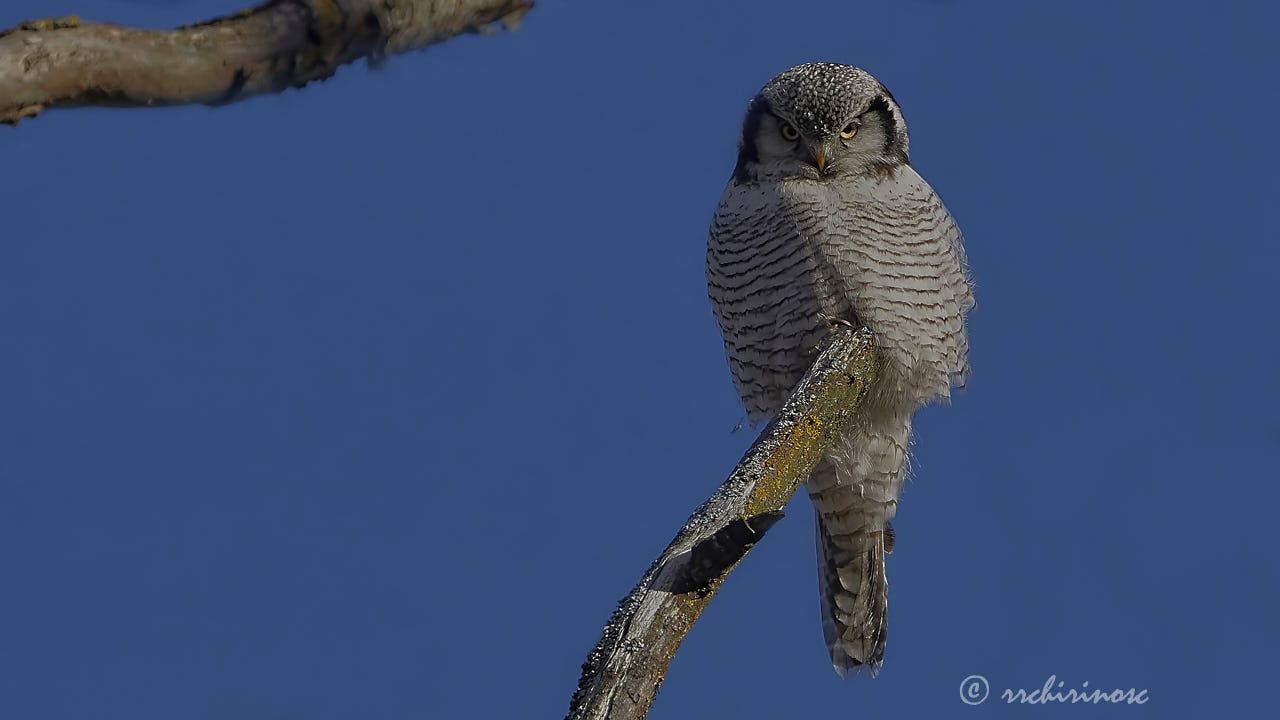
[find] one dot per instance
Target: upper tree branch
(63, 62)
(622, 674)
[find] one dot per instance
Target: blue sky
(371, 400)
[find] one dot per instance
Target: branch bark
(623, 673)
(64, 62)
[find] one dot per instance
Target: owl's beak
(821, 152)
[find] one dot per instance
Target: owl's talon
(833, 321)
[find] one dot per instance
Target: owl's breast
(880, 253)
(769, 291)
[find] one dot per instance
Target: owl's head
(821, 120)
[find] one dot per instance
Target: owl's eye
(849, 131)
(789, 132)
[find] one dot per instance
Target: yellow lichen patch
(786, 467)
(801, 445)
(57, 23)
(328, 21)
(328, 15)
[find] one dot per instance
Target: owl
(824, 218)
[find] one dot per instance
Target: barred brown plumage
(840, 225)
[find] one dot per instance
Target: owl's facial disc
(818, 121)
(778, 143)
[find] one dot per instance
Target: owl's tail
(855, 490)
(855, 596)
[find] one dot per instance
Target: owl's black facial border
(892, 133)
(748, 153)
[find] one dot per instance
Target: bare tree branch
(63, 62)
(623, 673)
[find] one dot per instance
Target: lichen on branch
(622, 674)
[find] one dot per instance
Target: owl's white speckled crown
(819, 97)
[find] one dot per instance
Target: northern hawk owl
(823, 218)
